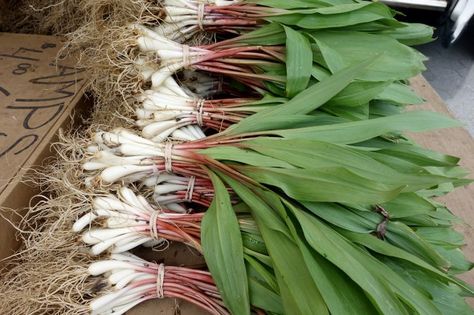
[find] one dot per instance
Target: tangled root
(51, 285)
(49, 275)
(62, 17)
(105, 45)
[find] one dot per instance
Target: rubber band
(381, 229)
(200, 106)
(190, 189)
(154, 225)
(160, 279)
(168, 157)
(200, 16)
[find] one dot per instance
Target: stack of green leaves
(344, 210)
(345, 220)
(312, 56)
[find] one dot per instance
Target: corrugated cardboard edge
(457, 142)
(17, 195)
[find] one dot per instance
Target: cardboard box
(37, 96)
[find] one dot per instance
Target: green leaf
(408, 204)
(446, 237)
(263, 287)
(358, 93)
(228, 153)
(379, 108)
(410, 153)
(447, 297)
(400, 93)
(299, 293)
(404, 237)
(411, 34)
(340, 49)
(345, 218)
(264, 298)
(457, 260)
(303, 103)
(389, 250)
(340, 293)
(223, 250)
(333, 184)
(299, 60)
(353, 132)
(343, 16)
(311, 154)
(378, 281)
(270, 34)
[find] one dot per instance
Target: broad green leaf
(404, 237)
(410, 153)
(228, 153)
(315, 155)
(446, 237)
(411, 34)
(270, 34)
(340, 49)
(387, 249)
(400, 93)
(343, 16)
(273, 122)
(345, 218)
(264, 298)
(358, 93)
(299, 60)
(447, 297)
(408, 204)
(263, 287)
(353, 132)
(383, 286)
(262, 273)
(340, 293)
(303, 103)
(334, 184)
(379, 108)
(457, 260)
(299, 293)
(223, 250)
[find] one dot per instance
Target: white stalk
(110, 244)
(84, 221)
(117, 276)
(131, 245)
(185, 136)
(176, 207)
(114, 174)
(100, 267)
(117, 222)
